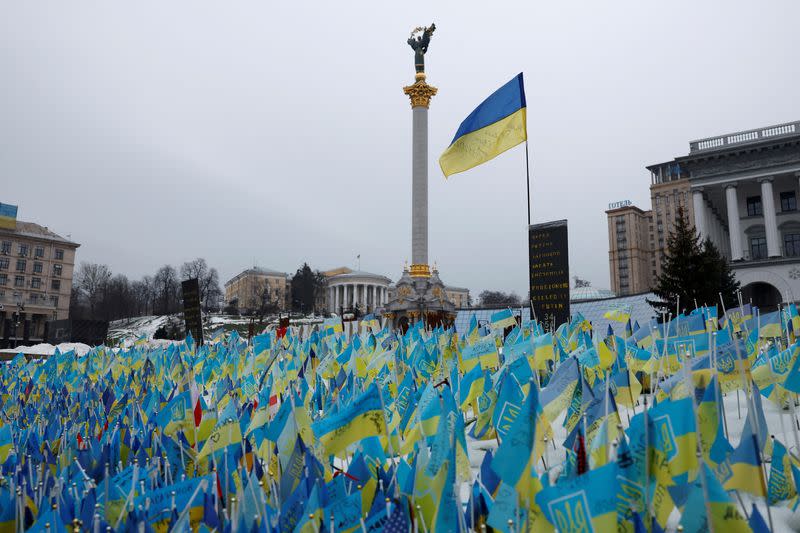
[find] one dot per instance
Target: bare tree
(165, 284)
(488, 298)
(91, 279)
(142, 292)
(262, 301)
(118, 299)
(207, 279)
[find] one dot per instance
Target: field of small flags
(688, 423)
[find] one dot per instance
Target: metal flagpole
(528, 196)
(528, 179)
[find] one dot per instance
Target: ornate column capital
(766, 179)
(730, 186)
(420, 93)
(420, 271)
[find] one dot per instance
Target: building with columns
(349, 290)
(740, 190)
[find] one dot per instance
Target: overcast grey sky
(277, 132)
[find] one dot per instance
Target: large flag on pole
(496, 125)
(8, 216)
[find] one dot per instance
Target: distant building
(349, 290)
(369, 292)
(258, 288)
(630, 249)
(740, 190)
(585, 293)
(458, 295)
(36, 268)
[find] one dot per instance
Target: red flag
(198, 413)
(580, 451)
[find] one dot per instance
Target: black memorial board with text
(548, 258)
(191, 309)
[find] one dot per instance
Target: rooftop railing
(743, 137)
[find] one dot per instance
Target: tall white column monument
(419, 293)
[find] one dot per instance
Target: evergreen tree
(693, 272)
(307, 286)
(721, 278)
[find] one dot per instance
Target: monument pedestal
(416, 298)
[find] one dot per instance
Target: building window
(55, 284)
(6, 247)
(19, 281)
(23, 250)
(54, 301)
(38, 267)
(788, 201)
(3, 263)
(21, 264)
(791, 244)
(38, 251)
(57, 270)
(3, 279)
(36, 283)
(758, 247)
(754, 208)
(59, 254)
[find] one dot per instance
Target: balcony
(745, 137)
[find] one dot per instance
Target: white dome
(579, 294)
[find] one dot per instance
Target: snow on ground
(48, 349)
(221, 320)
(128, 330)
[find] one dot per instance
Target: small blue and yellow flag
(742, 471)
(619, 314)
(497, 124)
(362, 418)
(570, 506)
(6, 442)
(502, 319)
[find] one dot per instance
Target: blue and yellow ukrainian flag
(724, 515)
(572, 505)
(502, 319)
(496, 125)
(523, 444)
(360, 419)
(6, 443)
(471, 386)
(8, 214)
(780, 486)
(543, 351)
(675, 436)
(619, 314)
(742, 471)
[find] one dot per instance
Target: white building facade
(744, 196)
(360, 290)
